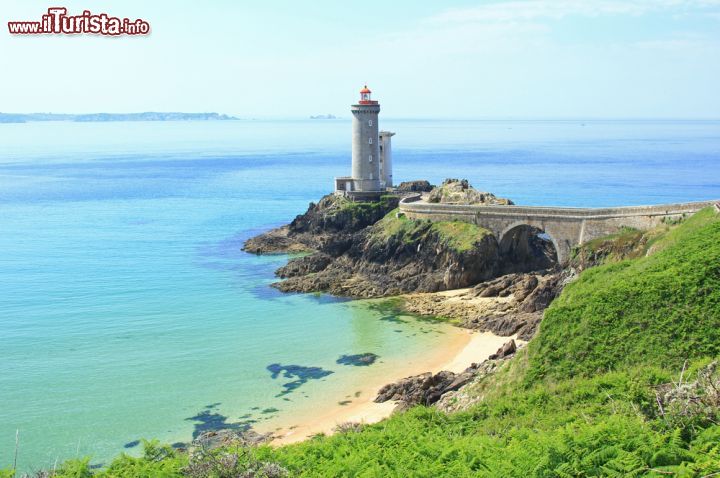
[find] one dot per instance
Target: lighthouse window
(370, 140)
(369, 122)
(370, 158)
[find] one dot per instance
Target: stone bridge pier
(566, 227)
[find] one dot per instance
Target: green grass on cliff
(628, 243)
(460, 236)
(457, 235)
(660, 309)
(579, 401)
(394, 225)
(366, 207)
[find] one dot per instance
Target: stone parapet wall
(552, 212)
(567, 227)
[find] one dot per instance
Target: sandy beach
(468, 348)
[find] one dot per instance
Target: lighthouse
(371, 171)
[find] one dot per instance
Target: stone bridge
(566, 227)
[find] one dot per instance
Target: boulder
(506, 350)
(426, 388)
(459, 191)
(420, 186)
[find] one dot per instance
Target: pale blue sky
(522, 58)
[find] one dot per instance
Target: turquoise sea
(128, 310)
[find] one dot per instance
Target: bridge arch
(512, 233)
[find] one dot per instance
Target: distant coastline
(105, 117)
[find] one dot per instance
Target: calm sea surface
(128, 310)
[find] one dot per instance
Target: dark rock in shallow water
(301, 373)
(209, 421)
(393, 318)
(358, 360)
(131, 444)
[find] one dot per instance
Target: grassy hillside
(660, 309)
(584, 399)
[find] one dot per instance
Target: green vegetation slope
(660, 309)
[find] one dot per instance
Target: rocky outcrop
(628, 244)
(427, 389)
(508, 305)
(359, 250)
(423, 389)
(366, 250)
(415, 187)
(466, 396)
(276, 241)
(531, 292)
(395, 256)
(327, 226)
(305, 265)
(506, 350)
(459, 191)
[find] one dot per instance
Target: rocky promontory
(327, 226)
(369, 249)
(428, 388)
(459, 191)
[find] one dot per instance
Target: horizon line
(240, 117)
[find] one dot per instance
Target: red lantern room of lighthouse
(365, 97)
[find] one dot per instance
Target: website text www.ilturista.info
(57, 21)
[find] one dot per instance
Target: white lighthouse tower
(371, 172)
